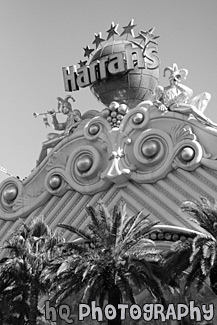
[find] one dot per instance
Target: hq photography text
(147, 312)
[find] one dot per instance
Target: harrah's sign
(113, 63)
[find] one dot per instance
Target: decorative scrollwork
(58, 159)
(151, 151)
(137, 118)
(144, 149)
(182, 132)
(96, 127)
(82, 172)
(150, 155)
(14, 198)
(84, 163)
(55, 182)
(187, 151)
(25, 200)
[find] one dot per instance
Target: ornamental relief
(115, 155)
(16, 202)
(102, 155)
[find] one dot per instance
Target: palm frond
(144, 229)
(76, 231)
(93, 289)
(68, 247)
(203, 214)
(154, 287)
(195, 271)
(116, 222)
(105, 217)
(39, 228)
(93, 216)
(141, 266)
(176, 260)
(125, 286)
(130, 223)
(96, 235)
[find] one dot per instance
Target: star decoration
(87, 51)
(148, 37)
(98, 39)
(113, 30)
(82, 63)
(129, 29)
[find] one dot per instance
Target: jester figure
(73, 116)
(72, 121)
(178, 98)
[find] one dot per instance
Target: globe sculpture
(129, 87)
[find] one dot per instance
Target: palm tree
(197, 256)
(203, 257)
(113, 257)
(13, 293)
(29, 251)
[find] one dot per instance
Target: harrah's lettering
(113, 63)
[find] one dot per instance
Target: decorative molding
(210, 162)
(25, 200)
(170, 196)
(57, 160)
(145, 147)
(163, 203)
(182, 132)
(194, 187)
(205, 180)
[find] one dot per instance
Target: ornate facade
(151, 147)
(152, 161)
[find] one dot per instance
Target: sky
(39, 37)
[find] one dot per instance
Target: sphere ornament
(138, 118)
(130, 86)
(160, 236)
(153, 236)
(113, 106)
(105, 112)
(94, 129)
(84, 167)
(187, 154)
(152, 154)
(9, 193)
(55, 182)
(122, 109)
(115, 113)
(150, 148)
(175, 237)
(84, 163)
(168, 236)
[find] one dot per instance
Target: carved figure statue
(73, 116)
(178, 98)
(72, 121)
